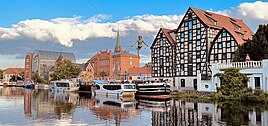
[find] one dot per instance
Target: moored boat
(153, 89)
(116, 89)
(63, 85)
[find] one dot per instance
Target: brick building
(113, 64)
(9, 72)
(28, 67)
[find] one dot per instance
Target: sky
(85, 27)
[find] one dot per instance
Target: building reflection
(181, 113)
(11, 92)
(43, 104)
(110, 108)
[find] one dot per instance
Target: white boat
(124, 102)
(153, 88)
(63, 85)
(119, 90)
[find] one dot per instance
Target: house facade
(140, 73)
(114, 64)
(10, 72)
(201, 38)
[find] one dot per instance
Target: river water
(19, 106)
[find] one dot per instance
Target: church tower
(118, 47)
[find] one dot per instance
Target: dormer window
(208, 13)
(232, 19)
(236, 25)
(212, 20)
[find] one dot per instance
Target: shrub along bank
(233, 87)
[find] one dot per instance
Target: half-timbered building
(162, 54)
(201, 38)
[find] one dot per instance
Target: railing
(248, 64)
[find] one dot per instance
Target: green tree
(232, 81)
(240, 54)
(36, 78)
(257, 48)
(1, 74)
(65, 69)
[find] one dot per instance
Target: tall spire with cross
(118, 47)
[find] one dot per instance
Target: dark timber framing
(162, 55)
(201, 38)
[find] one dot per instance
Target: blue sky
(17, 10)
(87, 26)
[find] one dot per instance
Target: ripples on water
(20, 106)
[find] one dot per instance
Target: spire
(118, 47)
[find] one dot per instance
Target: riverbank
(246, 95)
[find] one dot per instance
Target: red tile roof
(14, 71)
(226, 22)
(168, 33)
(140, 70)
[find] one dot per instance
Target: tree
(1, 74)
(257, 48)
(36, 78)
(240, 54)
(232, 81)
(65, 69)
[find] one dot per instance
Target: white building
(257, 71)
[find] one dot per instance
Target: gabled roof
(229, 23)
(168, 33)
(14, 70)
(140, 70)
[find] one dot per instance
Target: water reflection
(42, 107)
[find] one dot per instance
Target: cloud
(11, 61)
(252, 14)
(145, 59)
(257, 10)
(65, 30)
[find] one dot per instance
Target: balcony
(242, 65)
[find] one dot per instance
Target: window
(198, 31)
(182, 82)
(190, 70)
(198, 66)
(190, 35)
(194, 21)
(257, 82)
(186, 24)
(190, 47)
(198, 55)
(190, 57)
(219, 45)
(224, 34)
(190, 25)
(182, 45)
(182, 56)
(198, 42)
(182, 35)
(182, 67)
(112, 87)
(161, 42)
(215, 57)
(228, 45)
(224, 56)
